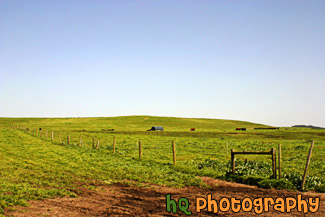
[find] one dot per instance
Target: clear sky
(259, 61)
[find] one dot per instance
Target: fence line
(166, 149)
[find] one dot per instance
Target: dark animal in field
(192, 129)
(240, 129)
(107, 129)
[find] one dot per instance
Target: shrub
(312, 182)
(276, 183)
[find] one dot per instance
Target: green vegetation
(255, 173)
(35, 168)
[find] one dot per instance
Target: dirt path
(130, 200)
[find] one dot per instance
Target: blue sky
(259, 61)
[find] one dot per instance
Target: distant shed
(156, 128)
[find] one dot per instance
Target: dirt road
(122, 199)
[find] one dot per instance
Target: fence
(272, 153)
(95, 143)
(203, 149)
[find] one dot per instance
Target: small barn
(156, 128)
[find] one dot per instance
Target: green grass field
(34, 167)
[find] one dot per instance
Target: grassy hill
(131, 123)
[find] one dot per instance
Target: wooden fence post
(279, 156)
(80, 141)
(174, 152)
(232, 161)
(59, 137)
(273, 162)
(68, 139)
(307, 164)
(40, 133)
(140, 150)
(97, 145)
(114, 141)
(52, 136)
(93, 142)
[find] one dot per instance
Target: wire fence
(189, 150)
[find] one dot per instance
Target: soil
(128, 199)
